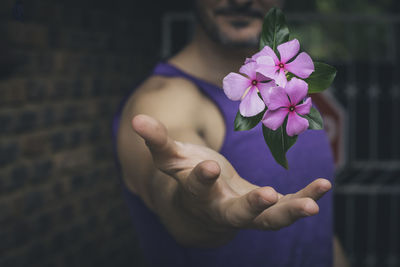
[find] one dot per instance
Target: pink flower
(245, 88)
(283, 101)
(271, 66)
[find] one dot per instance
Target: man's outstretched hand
(210, 201)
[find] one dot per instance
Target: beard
(212, 29)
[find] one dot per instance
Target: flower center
(291, 108)
(281, 65)
(254, 82)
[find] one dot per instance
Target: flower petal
(273, 119)
(249, 69)
(266, 61)
(262, 78)
(296, 124)
(302, 66)
(251, 104)
(267, 51)
(235, 85)
(280, 78)
(256, 55)
(264, 89)
(248, 60)
(288, 50)
(267, 67)
(276, 98)
(304, 109)
(297, 90)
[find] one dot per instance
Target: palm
(190, 155)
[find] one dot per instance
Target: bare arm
(200, 198)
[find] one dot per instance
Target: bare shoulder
(188, 114)
(170, 100)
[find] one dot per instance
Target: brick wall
(63, 70)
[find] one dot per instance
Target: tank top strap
(169, 70)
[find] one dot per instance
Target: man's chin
(239, 43)
(239, 34)
(237, 39)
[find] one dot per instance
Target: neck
(213, 61)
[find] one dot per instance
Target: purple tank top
(308, 242)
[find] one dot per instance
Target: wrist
(190, 227)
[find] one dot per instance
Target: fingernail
(323, 189)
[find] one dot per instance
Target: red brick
(35, 145)
(12, 92)
(27, 34)
(73, 160)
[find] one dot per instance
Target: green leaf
(315, 121)
(274, 30)
(289, 76)
(279, 143)
(321, 78)
(247, 123)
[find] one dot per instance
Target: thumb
(155, 135)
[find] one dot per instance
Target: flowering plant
(273, 86)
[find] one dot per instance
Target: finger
(244, 209)
(202, 178)
(282, 215)
(314, 190)
(155, 135)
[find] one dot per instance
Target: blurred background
(65, 66)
